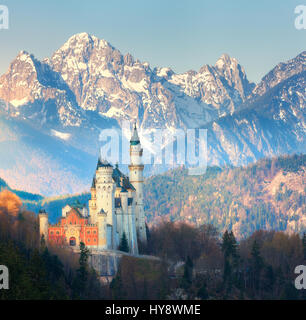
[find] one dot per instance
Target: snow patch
(113, 112)
(20, 102)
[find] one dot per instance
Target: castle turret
(43, 224)
(102, 229)
(136, 178)
(103, 198)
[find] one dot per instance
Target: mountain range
(52, 111)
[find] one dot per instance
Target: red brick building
(73, 229)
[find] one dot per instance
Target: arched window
(72, 241)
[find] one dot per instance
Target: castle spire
(135, 138)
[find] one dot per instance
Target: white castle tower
(43, 224)
(102, 204)
(136, 178)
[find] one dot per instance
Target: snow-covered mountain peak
(281, 72)
(82, 40)
(226, 61)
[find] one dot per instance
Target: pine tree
(124, 246)
(268, 280)
(116, 286)
(79, 284)
(231, 258)
(202, 292)
(257, 264)
(188, 271)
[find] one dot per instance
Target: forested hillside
(26, 196)
(35, 270)
(269, 194)
(195, 263)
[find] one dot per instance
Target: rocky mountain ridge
(88, 85)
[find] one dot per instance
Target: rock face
(87, 73)
(271, 124)
(281, 72)
(106, 263)
(88, 85)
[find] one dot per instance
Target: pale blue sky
(181, 34)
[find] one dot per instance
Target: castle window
(88, 240)
(95, 240)
(94, 232)
(72, 241)
(88, 232)
(57, 232)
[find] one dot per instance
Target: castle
(115, 209)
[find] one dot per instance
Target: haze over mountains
(52, 110)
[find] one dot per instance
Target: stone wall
(106, 262)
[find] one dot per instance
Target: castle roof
(135, 138)
(103, 163)
(93, 185)
(73, 210)
(77, 205)
(122, 180)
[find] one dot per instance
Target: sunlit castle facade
(115, 208)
